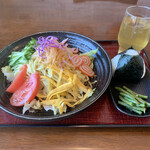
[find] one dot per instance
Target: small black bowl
(141, 87)
(102, 68)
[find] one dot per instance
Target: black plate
(102, 68)
(142, 87)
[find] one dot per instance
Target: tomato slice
(27, 91)
(18, 81)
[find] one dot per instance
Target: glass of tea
(135, 28)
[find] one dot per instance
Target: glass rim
(131, 14)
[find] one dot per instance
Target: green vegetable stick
(147, 104)
(137, 111)
(121, 90)
(129, 107)
(126, 101)
(129, 96)
(141, 105)
(133, 101)
(140, 99)
(139, 108)
(132, 96)
(137, 94)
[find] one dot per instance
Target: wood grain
(98, 19)
(74, 138)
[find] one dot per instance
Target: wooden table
(97, 19)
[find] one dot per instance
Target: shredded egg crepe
(59, 87)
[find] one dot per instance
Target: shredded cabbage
(8, 73)
(90, 53)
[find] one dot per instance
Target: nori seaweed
(129, 68)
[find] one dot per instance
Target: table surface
(97, 19)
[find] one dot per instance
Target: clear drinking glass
(135, 28)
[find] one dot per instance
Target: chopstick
(147, 58)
